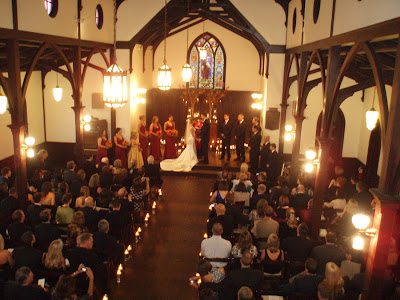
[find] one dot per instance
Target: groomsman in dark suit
(205, 137)
(265, 153)
(226, 131)
(240, 137)
(273, 166)
(254, 148)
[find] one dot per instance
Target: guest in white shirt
(216, 246)
(339, 202)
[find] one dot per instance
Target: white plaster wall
(6, 20)
(267, 16)
(351, 15)
(295, 38)
(242, 60)
(34, 102)
(89, 30)
(32, 16)
(7, 146)
(321, 29)
(133, 15)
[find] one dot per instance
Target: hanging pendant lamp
(372, 115)
(164, 73)
(187, 69)
(57, 92)
(203, 50)
(115, 84)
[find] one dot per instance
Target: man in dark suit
(78, 182)
(18, 227)
(107, 243)
(300, 200)
(246, 276)
(205, 137)
(10, 204)
(69, 174)
(234, 210)
(298, 248)
(225, 220)
(34, 210)
(27, 255)
(265, 153)
(117, 219)
(273, 166)
(254, 148)
(240, 137)
(152, 171)
(45, 233)
(306, 282)
(330, 252)
(226, 131)
(92, 216)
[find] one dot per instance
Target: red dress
(120, 153)
(101, 152)
(170, 149)
(155, 143)
(143, 142)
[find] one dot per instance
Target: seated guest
(92, 216)
(234, 210)
(298, 248)
(5, 255)
(45, 233)
(261, 179)
(216, 246)
(208, 273)
(89, 165)
(288, 227)
(117, 219)
(241, 195)
(48, 197)
(117, 167)
(344, 221)
(10, 204)
(65, 212)
(62, 190)
(300, 200)
(272, 253)
(277, 191)
(334, 278)
(263, 228)
(23, 287)
(244, 169)
(225, 220)
(352, 264)
(307, 282)
(261, 194)
(219, 195)
(104, 198)
(138, 194)
(5, 175)
(66, 286)
(259, 212)
(27, 255)
(106, 242)
(330, 252)
(106, 177)
(283, 205)
(363, 197)
(54, 259)
(245, 244)
(207, 294)
(246, 276)
(339, 203)
(18, 227)
(77, 183)
(69, 174)
(84, 192)
(245, 293)
(94, 183)
(153, 172)
(72, 233)
(34, 210)
(324, 291)
(78, 218)
(3, 190)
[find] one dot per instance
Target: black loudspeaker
(272, 118)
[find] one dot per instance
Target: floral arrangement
(108, 144)
(125, 143)
(214, 97)
(172, 132)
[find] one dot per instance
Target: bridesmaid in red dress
(120, 147)
(101, 146)
(155, 138)
(170, 149)
(143, 137)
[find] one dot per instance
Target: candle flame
(139, 230)
(126, 252)
(120, 267)
(129, 248)
(205, 235)
(119, 273)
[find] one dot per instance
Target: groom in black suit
(226, 131)
(240, 137)
(205, 137)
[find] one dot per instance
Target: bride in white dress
(188, 158)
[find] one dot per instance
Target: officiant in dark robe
(265, 153)
(254, 148)
(205, 137)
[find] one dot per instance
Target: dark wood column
(18, 125)
(284, 104)
(78, 108)
(321, 180)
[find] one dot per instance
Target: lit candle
(211, 194)
(160, 192)
(105, 297)
(199, 255)
(139, 230)
(137, 236)
(119, 273)
(120, 267)
(129, 248)
(126, 252)
(205, 235)
(147, 216)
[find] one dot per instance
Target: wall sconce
(361, 222)
(310, 156)
(86, 122)
(290, 133)
(139, 96)
(257, 101)
(29, 141)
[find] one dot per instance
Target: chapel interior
(322, 78)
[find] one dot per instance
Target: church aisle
(167, 254)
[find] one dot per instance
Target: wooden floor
(168, 252)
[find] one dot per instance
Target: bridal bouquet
(125, 143)
(108, 144)
(172, 132)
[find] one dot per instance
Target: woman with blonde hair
(54, 259)
(135, 157)
(84, 192)
(143, 136)
(288, 227)
(155, 132)
(283, 206)
(78, 218)
(245, 243)
(334, 278)
(272, 254)
(5, 255)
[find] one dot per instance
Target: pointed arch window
(210, 72)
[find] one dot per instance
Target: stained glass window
(208, 73)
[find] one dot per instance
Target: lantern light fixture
(3, 104)
(57, 91)
(358, 243)
(187, 69)
(310, 154)
(30, 141)
(372, 115)
(360, 221)
(290, 133)
(165, 72)
(203, 50)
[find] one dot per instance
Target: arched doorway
(374, 152)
